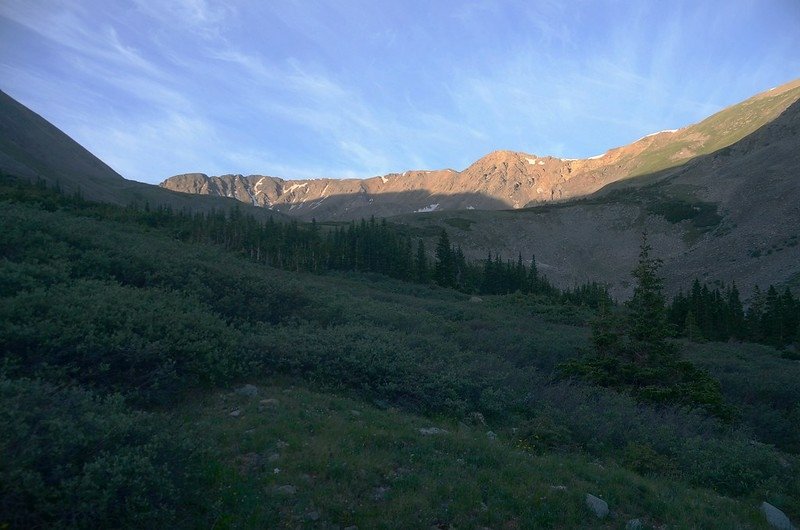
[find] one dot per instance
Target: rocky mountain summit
(499, 180)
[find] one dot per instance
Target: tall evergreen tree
(533, 276)
(736, 314)
(421, 263)
(648, 318)
(444, 269)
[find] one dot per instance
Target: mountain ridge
(499, 180)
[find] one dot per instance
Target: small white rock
(429, 431)
(634, 524)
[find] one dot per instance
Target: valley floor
(294, 458)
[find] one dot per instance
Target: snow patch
(541, 162)
(531, 161)
(655, 133)
(295, 186)
(470, 207)
(595, 157)
(384, 179)
(258, 185)
(429, 208)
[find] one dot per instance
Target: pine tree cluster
(719, 315)
(368, 246)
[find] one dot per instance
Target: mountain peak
(501, 179)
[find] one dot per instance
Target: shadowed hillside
(732, 215)
(33, 148)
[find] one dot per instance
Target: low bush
(148, 344)
(72, 459)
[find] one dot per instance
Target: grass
(348, 463)
(719, 131)
(460, 223)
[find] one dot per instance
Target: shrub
(146, 343)
(72, 459)
(642, 458)
(543, 433)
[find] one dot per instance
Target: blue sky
(345, 88)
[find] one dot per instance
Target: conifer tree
(691, 328)
(633, 352)
(533, 276)
(421, 263)
(754, 313)
(647, 321)
(736, 314)
(444, 268)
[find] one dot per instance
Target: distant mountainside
(730, 215)
(33, 148)
(500, 180)
(720, 199)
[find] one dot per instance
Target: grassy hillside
(121, 346)
(718, 131)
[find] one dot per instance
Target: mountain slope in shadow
(33, 148)
(731, 215)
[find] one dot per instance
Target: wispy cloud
(327, 88)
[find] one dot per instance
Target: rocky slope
(500, 180)
(731, 215)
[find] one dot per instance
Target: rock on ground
(429, 431)
(286, 489)
(775, 517)
(597, 505)
(247, 391)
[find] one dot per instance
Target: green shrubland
(115, 320)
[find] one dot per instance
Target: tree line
(702, 313)
(718, 314)
(368, 246)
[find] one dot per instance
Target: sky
(351, 88)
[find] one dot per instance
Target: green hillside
(718, 131)
(125, 350)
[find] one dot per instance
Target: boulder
(634, 524)
(775, 517)
(597, 505)
(247, 391)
